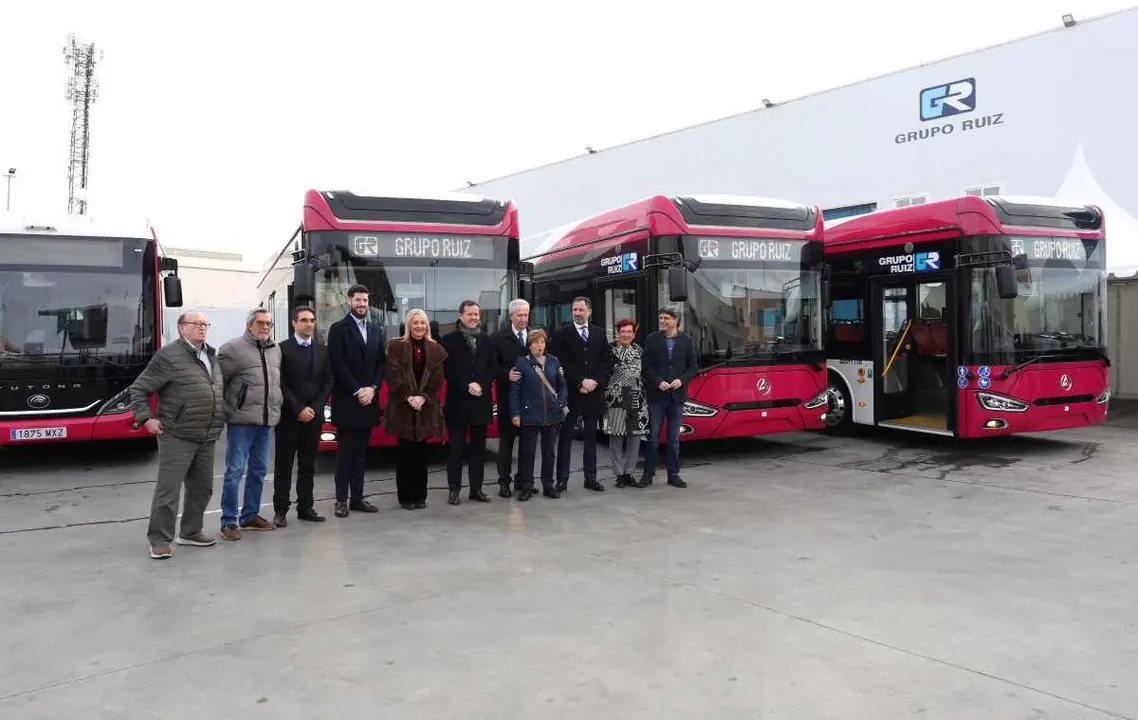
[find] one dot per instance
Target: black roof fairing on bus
(1026, 214)
(349, 206)
(801, 218)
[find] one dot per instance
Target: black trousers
(565, 445)
(350, 463)
(299, 439)
(411, 471)
(507, 434)
(528, 451)
(475, 446)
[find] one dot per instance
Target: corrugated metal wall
(1122, 336)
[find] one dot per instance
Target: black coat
(304, 386)
(656, 367)
(355, 366)
(464, 366)
(580, 361)
(506, 350)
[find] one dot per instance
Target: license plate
(48, 433)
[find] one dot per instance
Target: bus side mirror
(172, 290)
(1006, 284)
(677, 283)
(303, 284)
(525, 290)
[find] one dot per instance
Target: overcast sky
(214, 118)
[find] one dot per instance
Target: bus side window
(845, 321)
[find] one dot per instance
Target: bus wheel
(839, 416)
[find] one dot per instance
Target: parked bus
(427, 252)
(968, 317)
(80, 317)
(753, 307)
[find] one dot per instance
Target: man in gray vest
(253, 398)
(188, 381)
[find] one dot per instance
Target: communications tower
(82, 90)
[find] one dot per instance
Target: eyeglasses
(199, 324)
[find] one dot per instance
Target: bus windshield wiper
(1007, 373)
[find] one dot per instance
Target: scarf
(470, 335)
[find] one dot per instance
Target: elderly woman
(414, 412)
(626, 416)
(539, 401)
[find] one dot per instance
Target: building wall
(219, 284)
(1055, 123)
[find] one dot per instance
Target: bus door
(619, 298)
(914, 383)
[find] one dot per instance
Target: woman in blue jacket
(539, 401)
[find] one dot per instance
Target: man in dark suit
(306, 380)
(586, 357)
(668, 366)
(357, 352)
(469, 370)
(508, 345)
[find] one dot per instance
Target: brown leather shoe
(230, 532)
(257, 523)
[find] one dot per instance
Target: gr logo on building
(939, 105)
(954, 98)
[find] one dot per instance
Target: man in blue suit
(357, 352)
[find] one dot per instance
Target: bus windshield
(74, 298)
(755, 312)
(398, 285)
(1061, 308)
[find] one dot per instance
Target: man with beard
(357, 352)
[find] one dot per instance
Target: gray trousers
(180, 461)
(625, 452)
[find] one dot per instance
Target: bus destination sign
(749, 249)
(1049, 248)
(425, 247)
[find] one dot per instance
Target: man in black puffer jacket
(253, 399)
(188, 381)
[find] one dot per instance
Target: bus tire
(839, 416)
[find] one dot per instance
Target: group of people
(254, 388)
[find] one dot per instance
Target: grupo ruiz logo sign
(911, 262)
(939, 109)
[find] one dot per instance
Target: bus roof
(726, 215)
(74, 226)
(968, 215)
(345, 210)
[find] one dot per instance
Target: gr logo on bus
(954, 98)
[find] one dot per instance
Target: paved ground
(878, 576)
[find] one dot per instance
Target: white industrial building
(1048, 115)
(220, 284)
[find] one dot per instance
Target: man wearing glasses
(190, 415)
(251, 365)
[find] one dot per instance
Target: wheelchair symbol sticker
(985, 371)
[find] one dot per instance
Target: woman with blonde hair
(414, 410)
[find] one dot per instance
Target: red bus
(968, 317)
(753, 306)
(80, 316)
(410, 252)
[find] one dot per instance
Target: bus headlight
(999, 403)
(117, 405)
(1104, 398)
(694, 409)
(818, 400)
